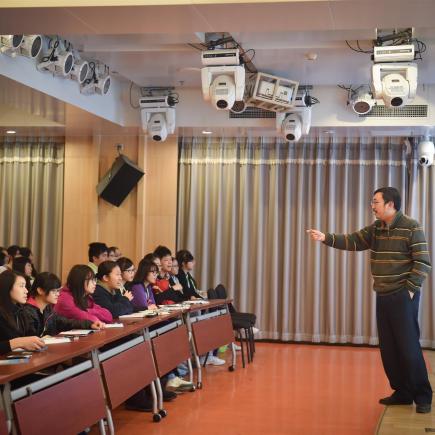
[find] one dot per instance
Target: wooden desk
(65, 408)
(210, 329)
(57, 353)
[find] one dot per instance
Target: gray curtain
(421, 206)
(243, 208)
(31, 197)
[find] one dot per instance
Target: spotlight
(102, 85)
(361, 101)
(31, 46)
(59, 61)
(10, 43)
(80, 70)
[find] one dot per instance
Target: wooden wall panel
(160, 207)
(117, 225)
(148, 215)
(80, 215)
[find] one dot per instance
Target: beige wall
(146, 218)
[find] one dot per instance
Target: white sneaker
(236, 346)
(178, 383)
(214, 361)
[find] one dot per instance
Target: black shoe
(423, 408)
(142, 408)
(168, 396)
(394, 400)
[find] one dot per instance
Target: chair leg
(241, 347)
(248, 350)
(205, 360)
(251, 343)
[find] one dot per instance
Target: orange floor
(289, 389)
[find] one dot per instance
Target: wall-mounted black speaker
(119, 180)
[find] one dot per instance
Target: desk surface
(212, 303)
(57, 353)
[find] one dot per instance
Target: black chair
(242, 323)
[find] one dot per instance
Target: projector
(228, 56)
(394, 53)
(156, 102)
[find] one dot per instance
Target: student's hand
(194, 298)
(316, 235)
(27, 343)
(178, 287)
(129, 295)
(156, 288)
(98, 325)
(152, 307)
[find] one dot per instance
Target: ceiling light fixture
(10, 131)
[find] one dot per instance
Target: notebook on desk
(77, 333)
(56, 340)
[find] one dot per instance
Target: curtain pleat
(421, 206)
(31, 197)
(243, 210)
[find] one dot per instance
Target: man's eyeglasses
(372, 203)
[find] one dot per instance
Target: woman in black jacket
(39, 309)
(107, 293)
(15, 329)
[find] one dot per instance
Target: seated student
(4, 260)
(14, 325)
(127, 272)
(75, 299)
(107, 293)
(114, 253)
(27, 252)
(97, 253)
(24, 266)
(166, 293)
(143, 282)
(14, 251)
(186, 262)
(43, 296)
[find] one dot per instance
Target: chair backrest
(221, 292)
(211, 294)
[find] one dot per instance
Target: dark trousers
(399, 334)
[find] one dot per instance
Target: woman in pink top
(75, 300)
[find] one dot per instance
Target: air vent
(411, 111)
(254, 112)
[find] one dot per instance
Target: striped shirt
(399, 254)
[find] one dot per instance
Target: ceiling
(149, 44)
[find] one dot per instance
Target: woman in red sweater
(75, 300)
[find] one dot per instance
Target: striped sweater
(399, 254)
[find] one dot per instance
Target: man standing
(400, 262)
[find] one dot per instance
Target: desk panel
(128, 372)
(170, 349)
(66, 408)
(212, 333)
